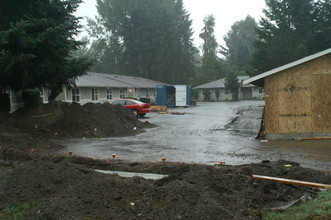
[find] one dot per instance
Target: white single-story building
(95, 88)
(102, 87)
(216, 91)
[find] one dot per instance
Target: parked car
(138, 108)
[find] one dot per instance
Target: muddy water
(208, 133)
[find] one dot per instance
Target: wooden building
(298, 98)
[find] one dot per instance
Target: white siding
(180, 95)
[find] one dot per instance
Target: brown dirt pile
(71, 120)
(64, 187)
(67, 187)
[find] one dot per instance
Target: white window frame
(122, 93)
(75, 95)
(95, 94)
(109, 94)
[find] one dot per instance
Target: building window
(122, 93)
(95, 94)
(109, 94)
(261, 90)
(75, 95)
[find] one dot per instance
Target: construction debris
(294, 182)
(173, 113)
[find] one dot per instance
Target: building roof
(220, 83)
(259, 79)
(114, 81)
(211, 85)
(134, 81)
(94, 80)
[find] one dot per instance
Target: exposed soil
(61, 186)
(71, 120)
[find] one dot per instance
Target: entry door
(247, 93)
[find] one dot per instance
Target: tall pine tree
(291, 30)
(154, 38)
(211, 66)
(240, 44)
(36, 42)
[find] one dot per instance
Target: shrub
(31, 97)
(195, 94)
(145, 100)
(206, 94)
(131, 98)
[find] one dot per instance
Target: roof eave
(256, 80)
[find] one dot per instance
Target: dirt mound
(59, 119)
(69, 188)
(39, 183)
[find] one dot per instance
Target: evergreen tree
(240, 44)
(231, 83)
(211, 67)
(321, 39)
(36, 42)
(153, 39)
(291, 30)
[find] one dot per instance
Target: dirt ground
(63, 186)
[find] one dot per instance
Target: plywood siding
(298, 99)
(321, 102)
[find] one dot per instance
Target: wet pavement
(207, 133)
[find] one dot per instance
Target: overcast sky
(226, 12)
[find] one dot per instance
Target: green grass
(319, 208)
(15, 213)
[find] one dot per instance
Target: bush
(145, 100)
(206, 94)
(31, 97)
(195, 94)
(131, 98)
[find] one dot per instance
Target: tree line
(152, 39)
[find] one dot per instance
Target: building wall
(298, 101)
(16, 100)
(44, 93)
(63, 95)
(212, 95)
(86, 94)
(223, 96)
(200, 96)
(258, 93)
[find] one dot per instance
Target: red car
(138, 108)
